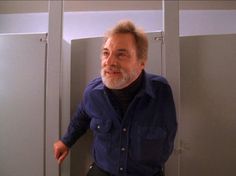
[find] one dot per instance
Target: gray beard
(121, 82)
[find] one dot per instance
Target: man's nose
(111, 60)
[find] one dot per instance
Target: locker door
(22, 104)
(208, 105)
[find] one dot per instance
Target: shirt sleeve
(78, 126)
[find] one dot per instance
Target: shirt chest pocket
(102, 133)
(149, 143)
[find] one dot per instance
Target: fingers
(57, 154)
(60, 151)
(57, 151)
(62, 157)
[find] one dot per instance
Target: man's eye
(121, 55)
(105, 53)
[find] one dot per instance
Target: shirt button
(124, 129)
(123, 149)
(98, 127)
(121, 168)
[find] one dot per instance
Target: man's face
(119, 62)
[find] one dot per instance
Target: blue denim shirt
(139, 143)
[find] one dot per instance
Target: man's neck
(124, 96)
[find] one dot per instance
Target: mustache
(112, 68)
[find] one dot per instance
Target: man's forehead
(119, 42)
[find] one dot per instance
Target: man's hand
(60, 151)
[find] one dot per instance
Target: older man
(130, 112)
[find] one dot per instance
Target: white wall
(94, 24)
(24, 23)
(205, 22)
(91, 24)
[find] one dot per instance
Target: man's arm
(77, 127)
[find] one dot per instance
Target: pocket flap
(99, 125)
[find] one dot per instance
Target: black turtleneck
(121, 98)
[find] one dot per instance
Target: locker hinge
(44, 39)
(160, 38)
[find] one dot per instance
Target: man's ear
(143, 63)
